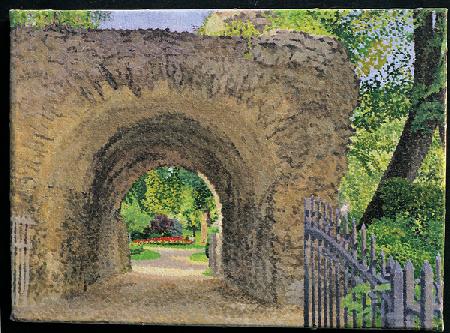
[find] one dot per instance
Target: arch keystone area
(93, 110)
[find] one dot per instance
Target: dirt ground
(160, 296)
(172, 262)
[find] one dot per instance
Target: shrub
(403, 239)
(162, 225)
(412, 226)
(422, 202)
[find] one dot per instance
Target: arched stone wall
(92, 110)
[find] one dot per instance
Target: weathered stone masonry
(93, 110)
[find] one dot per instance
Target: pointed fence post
(408, 292)
(383, 264)
(313, 282)
(363, 245)
(338, 293)
(306, 266)
(426, 296)
(396, 316)
(373, 257)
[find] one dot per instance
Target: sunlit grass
(199, 257)
(208, 272)
(146, 255)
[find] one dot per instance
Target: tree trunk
(414, 142)
(204, 229)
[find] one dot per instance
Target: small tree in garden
(162, 225)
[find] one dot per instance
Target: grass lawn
(199, 256)
(146, 255)
(208, 272)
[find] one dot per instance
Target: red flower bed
(163, 240)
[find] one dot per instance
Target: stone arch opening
(187, 202)
(160, 141)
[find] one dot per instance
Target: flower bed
(163, 240)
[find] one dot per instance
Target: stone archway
(93, 109)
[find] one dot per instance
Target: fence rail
(20, 252)
(347, 284)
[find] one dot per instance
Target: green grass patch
(200, 257)
(146, 255)
(208, 272)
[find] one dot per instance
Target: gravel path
(172, 262)
(151, 295)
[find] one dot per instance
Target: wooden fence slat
(337, 220)
(319, 214)
(330, 293)
(27, 264)
(20, 253)
(352, 285)
(363, 245)
(354, 239)
(319, 285)
(426, 296)
(22, 262)
(313, 283)
(409, 284)
(15, 266)
(383, 264)
(396, 318)
(391, 264)
(373, 257)
(373, 305)
(346, 232)
(338, 293)
(306, 296)
(325, 292)
(333, 222)
(345, 294)
(306, 266)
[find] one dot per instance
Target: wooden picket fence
(347, 284)
(20, 253)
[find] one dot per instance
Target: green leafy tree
(428, 103)
(135, 218)
(72, 18)
(170, 191)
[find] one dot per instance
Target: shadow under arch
(172, 139)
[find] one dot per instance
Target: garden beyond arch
(92, 110)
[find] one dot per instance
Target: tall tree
(428, 103)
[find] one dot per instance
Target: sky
(175, 20)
